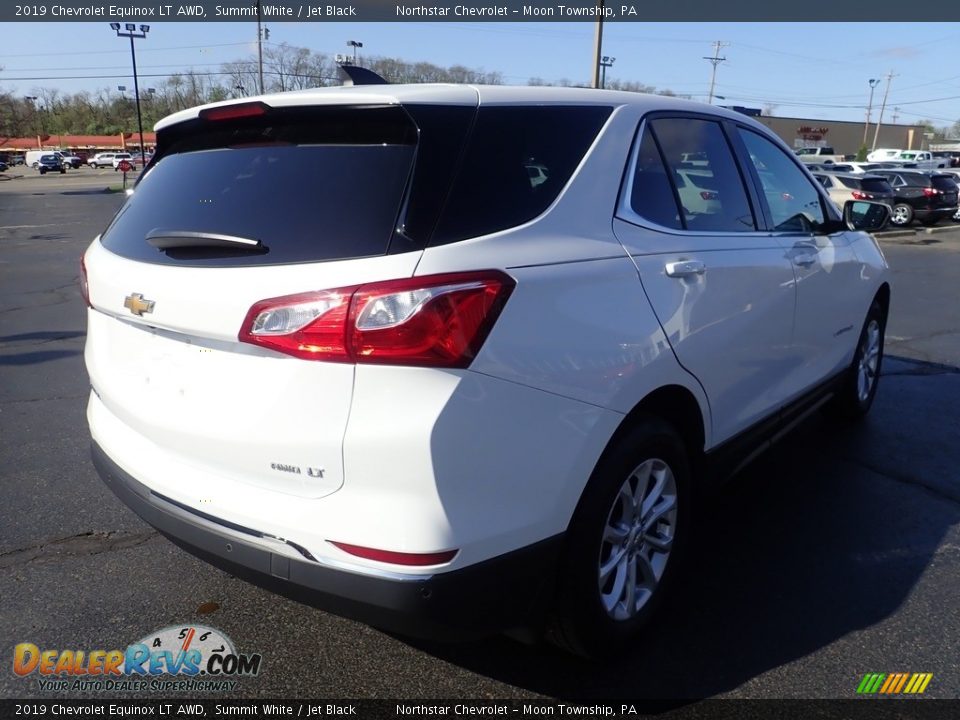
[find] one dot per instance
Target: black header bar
(147, 11)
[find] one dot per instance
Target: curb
(942, 228)
(895, 234)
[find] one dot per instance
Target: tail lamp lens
(84, 284)
(434, 321)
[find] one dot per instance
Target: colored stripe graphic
(903, 681)
(871, 683)
(918, 683)
(891, 680)
(894, 683)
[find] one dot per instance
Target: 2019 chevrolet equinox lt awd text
(343, 344)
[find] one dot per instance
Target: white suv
(435, 393)
(120, 157)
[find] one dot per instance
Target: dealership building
(844, 136)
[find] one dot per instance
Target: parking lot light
(605, 62)
(132, 32)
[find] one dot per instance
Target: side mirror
(865, 215)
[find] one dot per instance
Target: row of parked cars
(913, 194)
(56, 161)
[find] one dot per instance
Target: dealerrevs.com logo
(187, 658)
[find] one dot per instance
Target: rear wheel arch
(675, 405)
(664, 433)
(882, 298)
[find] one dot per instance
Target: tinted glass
(651, 195)
(713, 197)
(320, 187)
(945, 183)
(916, 180)
(876, 185)
(793, 200)
(495, 189)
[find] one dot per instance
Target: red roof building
(123, 141)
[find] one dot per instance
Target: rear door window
(712, 196)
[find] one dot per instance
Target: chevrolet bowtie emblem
(135, 303)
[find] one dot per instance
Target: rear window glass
(941, 182)
(516, 162)
(313, 185)
(875, 185)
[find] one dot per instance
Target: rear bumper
(506, 592)
(934, 213)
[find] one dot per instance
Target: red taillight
(232, 112)
(930, 192)
(84, 285)
(859, 195)
(397, 558)
(707, 195)
(434, 321)
(309, 325)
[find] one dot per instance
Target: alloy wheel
(869, 353)
(637, 539)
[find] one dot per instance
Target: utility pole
(715, 60)
(597, 45)
(260, 46)
(866, 126)
(896, 114)
(883, 105)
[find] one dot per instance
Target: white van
(32, 158)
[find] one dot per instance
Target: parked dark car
(3, 166)
(50, 163)
(925, 196)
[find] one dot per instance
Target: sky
(815, 70)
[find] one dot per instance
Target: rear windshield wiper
(171, 239)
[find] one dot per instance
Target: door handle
(685, 268)
(807, 252)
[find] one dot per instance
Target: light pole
(605, 62)
(866, 126)
(33, 104)
(130, 31)
(354, 44)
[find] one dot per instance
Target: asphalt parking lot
(834, 555)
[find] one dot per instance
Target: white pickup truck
(924, 159)
(824, 155)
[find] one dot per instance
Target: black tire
(850, 403)
(581, 622)
(43, 171)
(904, 212)
(63, 171)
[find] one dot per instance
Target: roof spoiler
(356, 75)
